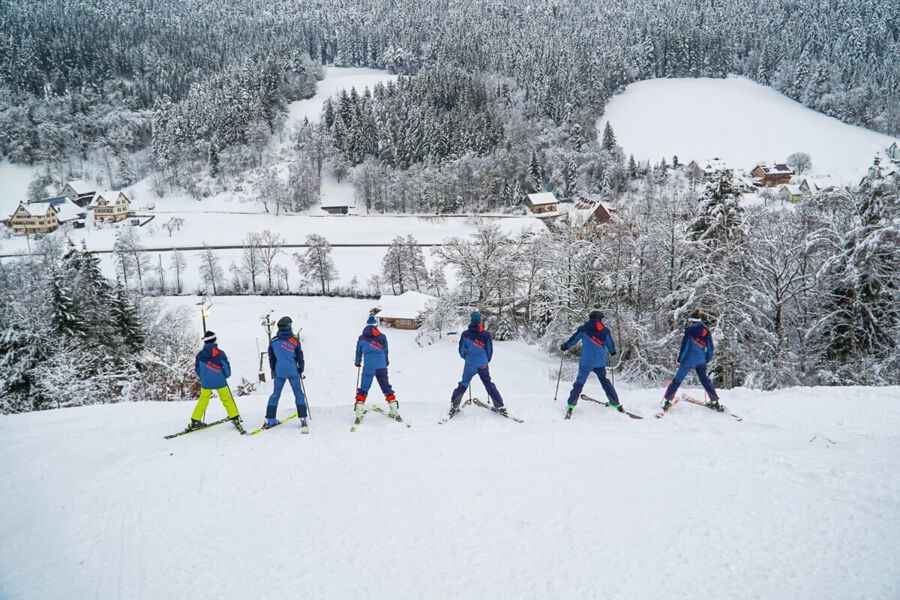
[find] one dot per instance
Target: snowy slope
(797, 501)
(737, 120)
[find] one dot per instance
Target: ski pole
(559, 376)
(305, 398)
(358, 374)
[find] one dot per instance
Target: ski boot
(271, 423)
(395, 411)
(501, 410)
(616, 405)
(304, 427)
(667, 404)
(455, 401)
(194, 425)
(569, 412)
(359, 409)
(236, 421)
(714, 404)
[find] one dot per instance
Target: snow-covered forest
(204, 84)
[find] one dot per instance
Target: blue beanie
(475, 317)
(371, 320)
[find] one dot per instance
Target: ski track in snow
(797, 501)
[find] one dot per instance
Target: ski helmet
(285, 323)
(209, 337)
(596, 315)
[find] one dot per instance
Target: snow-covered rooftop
(109, 195)
(81, 186)
(793, 190)
(542, 198)
(66, 210)
(408, 305)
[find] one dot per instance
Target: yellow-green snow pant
(224, 395)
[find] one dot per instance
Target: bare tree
(251, 258)
(210, 270)
(800, 162)
(270, 246)
(177, 264)
(316, 263)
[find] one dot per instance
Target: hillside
(739, 121)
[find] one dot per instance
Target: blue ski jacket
(476, 346)
(372, 345)
(211, 366)
(696, 346)
(595, 340)
(286, 355)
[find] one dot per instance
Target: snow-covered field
(797, 501)
(739, 121)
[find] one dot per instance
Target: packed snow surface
(739, 121)
(797, 501)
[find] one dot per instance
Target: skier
(286, 363)
(372, 355)
(696, 351)
(213, 369)
(477, 348)
(596, 340)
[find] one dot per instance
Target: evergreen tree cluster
(62, 60)
(436, 116)
(71, 338)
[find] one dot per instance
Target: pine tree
(609, 139)
(64, 309)
(126, 319)
(535, 173)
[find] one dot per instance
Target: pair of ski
(358, 421)
(482, 404)
(238, 425)
(602, 403)
(687, 398)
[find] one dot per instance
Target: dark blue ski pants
(485, 374)
(683, 371)
(272, 407)
(583, 373)
(382, 376)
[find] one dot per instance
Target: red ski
(687, 398)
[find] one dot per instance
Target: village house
(770, 176)
(404, 311)
(79, 191)
(790, 193)
(44, 216)
(707, 170)
(542, 202)
(586, 209)
(110, 206)
(808, 187)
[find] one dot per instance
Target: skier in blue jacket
(477, 348)
(286, 363)
(596, 340)
(212, 367)
(696, 351)
(372, 356)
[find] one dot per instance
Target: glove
(357, 365)
(612, 353)
(302, 376)
(563, 347)
(387, 364)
